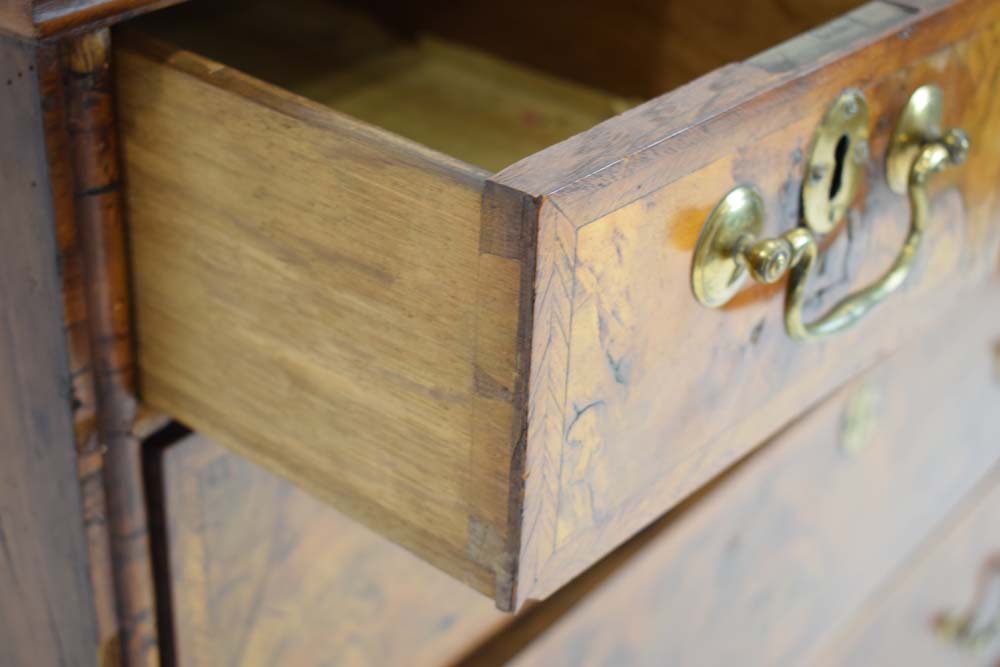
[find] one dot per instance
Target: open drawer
(510, 373)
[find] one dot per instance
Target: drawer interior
(352, 310)
(486, 84)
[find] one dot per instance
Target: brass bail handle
(730, 249)
(979, 626)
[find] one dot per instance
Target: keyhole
(839, 153)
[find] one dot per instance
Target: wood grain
(263, 574)
(637, 48)
(46, 614)
(47, 18)
(778, 556)
(955, 572)
(462, 102)
(61, 176)
(644, 395)
(90, 453)
(312, 292)
(100, 223)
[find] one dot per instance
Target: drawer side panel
(310, 291)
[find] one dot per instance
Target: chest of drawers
(564, 299)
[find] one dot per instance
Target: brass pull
(980, 625)
(729, 249)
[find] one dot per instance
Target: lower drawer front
(262, 574)
(777, 558)
(944, 609)
(768, 565)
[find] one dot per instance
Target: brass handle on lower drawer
(980, 625)
(729, 249)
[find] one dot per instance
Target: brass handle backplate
(730, 249)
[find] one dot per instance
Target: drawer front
(639, 394)
(262, 574)
(777, 557)
(944, 609)
(509, 374)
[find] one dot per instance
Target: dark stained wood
(90, 453)
(101, 227)
(61, 176)
(707, 117)
(775, 560)
(640, 48)
(46, 613)
(640, 395)
(45, 18)
(81, 158)
(261, 573)
(462, 102)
